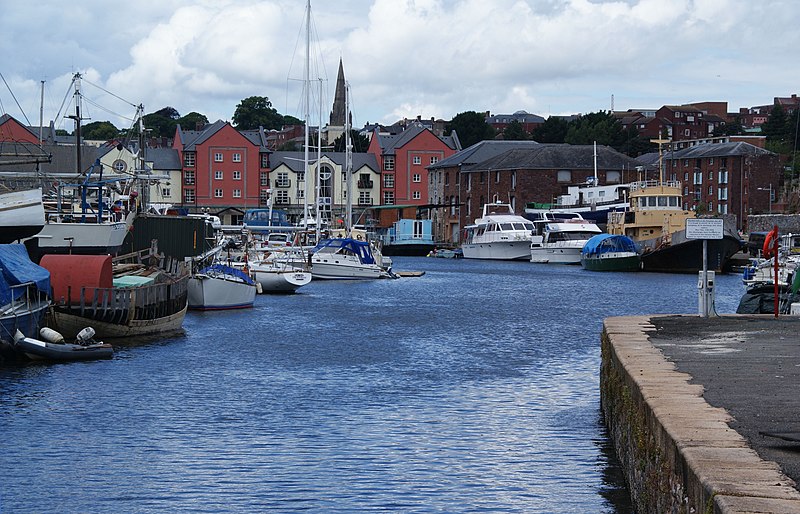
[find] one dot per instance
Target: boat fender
(85, 336)
(51, 336)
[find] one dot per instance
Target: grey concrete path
(749, 366)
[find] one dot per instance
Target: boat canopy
(228, 270)
(17, 268)
(605, 243)
(345, 245)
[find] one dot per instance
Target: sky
(402, 58)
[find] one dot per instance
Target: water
(472, 388)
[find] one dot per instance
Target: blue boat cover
(17, 268)
(605, 243)
(359, 248)
(227, 270)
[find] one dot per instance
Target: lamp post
(770, 195)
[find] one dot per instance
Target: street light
(770, 195)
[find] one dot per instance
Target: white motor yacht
(498, 234)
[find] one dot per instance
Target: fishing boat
(558, 238)
(24, 295)
(84, 348)
(607, 252)
(138, 294)
(221, 287)
(21, 215)
(498, 234)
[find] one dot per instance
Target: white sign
(704, 228)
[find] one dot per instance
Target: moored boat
(221, 287)
(408, 237)
(279, 278)
(559, 238)
(607, 252)
(498, 234)
(21, 215)
(83, 349)
(344, 258)
(138, 294)
(24, 295)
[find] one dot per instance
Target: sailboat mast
(595, 163)
(307, 102)
(348, 160)
(319, 155)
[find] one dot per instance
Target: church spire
(338, 115)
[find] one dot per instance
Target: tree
(162, 123)
(775, 126)
(99, 130)
(515, 132)
(601, 127)
(256, 111)
(192, 120)
(553, 130)
(471, 128)
(360, 143)
(733, 128)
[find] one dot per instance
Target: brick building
(518, 172)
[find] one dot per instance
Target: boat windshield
(571, 236)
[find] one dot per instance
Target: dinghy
(54, 348)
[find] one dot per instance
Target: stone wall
(765, 222)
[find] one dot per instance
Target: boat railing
(644, 184)
(24, 298)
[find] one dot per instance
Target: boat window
(507, 226)
(673, 201)
(662, 201)
(528, 226)
(651, 201)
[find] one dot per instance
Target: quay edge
(678, 453)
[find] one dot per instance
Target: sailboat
(21, 215)
(345, 257)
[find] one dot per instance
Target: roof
(294, 160)
(389, 142)
(520, 116)
(481, 151)
(163, 158)
(556, 156)
(718, 150)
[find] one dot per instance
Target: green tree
(775, 126)
(162, 123)
(256, 111)
(601, 127)
(100, 131)
(471, 128)
(732, 128)
(192, 120)
(515, 132)
(360, 143)
(553, 130)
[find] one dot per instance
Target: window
(564, 176)
(447, 178)
(265, 160)
(710, 190)
(722, 208)
(722, 193)
(364, 198)
(237, 175)
(496, 176)
(723, 176)
(218, 193)
(686, 176)
(483, 178)
(388, 197)
(237, 193)
(388, 180)
(698, 177)
(282, 179)
(188, 195)
(237, 157)
(434, 160)
(469, 181)
(612, 177)
(119, 166)
(282, 196)
(217, 175)
(710, 161)
(263, 196)
(416, 195)
(165, 191)
(263, 178)
(686, 190)
(417, 177)
(711, 176)
(301, 193)
(301, 176)
(417, 159)
(388, 163)
(188, 159)
(723, 162)
(686, 163)
(218, 157)
(188, 178)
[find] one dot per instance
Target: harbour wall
(765, 222)
(678, 453)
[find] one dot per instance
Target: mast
(41, 137)
(307, 102)
(595, 164)
(348, 221)
(319, 156)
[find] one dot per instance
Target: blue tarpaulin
(338, 244)
(227, 270)
(17, 268)
(604, 243)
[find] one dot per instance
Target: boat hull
(556, 255)
(25, 318)
(342, 270)
(81, 238)
(63, 352)
(214, 293)
(612, 261)
(407, 249)
(687, 256)
(275, 280)
(21, 215)
(504, 251)
(70, 324)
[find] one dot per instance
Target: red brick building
(404, 160)
(224, 171)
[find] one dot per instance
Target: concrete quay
(705, 412)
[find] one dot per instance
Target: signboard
(704, 228)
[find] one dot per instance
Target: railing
(365, 184)
(283, 183)
(644, 184)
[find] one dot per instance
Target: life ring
(770, 244)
